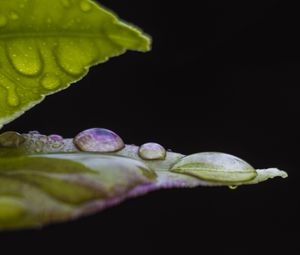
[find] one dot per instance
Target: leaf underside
(47, 45)
(45, 181)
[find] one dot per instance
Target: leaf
(46, 179)
(47, 45)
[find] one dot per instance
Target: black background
(222, 76)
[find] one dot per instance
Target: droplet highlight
(152, 151)
(3, 21)
(85, 6)
(215, 167)
(98, 140)
(50, 81)
(233, 187)
(14, 15)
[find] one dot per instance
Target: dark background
(222, 76)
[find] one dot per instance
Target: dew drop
(66, 3)
(216, 167)
(14, 15)
(50, 81)
(24, 57)
(233, 187)
(11, 139)
(98, 140)
(3, 20)
(152, 151)
(85, 6)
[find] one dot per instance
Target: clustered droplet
(11, 139)
(152, 151)
(98, 140)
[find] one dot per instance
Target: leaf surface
(47, 45)
(44, 180)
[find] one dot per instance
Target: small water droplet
(152, 151)
(56, 138)
(66, 3)
(25, 58)
(11, 139)
(98, 140)
(14, 15)
(50, 81)
(3, 20)
(85, 6)
(233, 187)
(49, 21)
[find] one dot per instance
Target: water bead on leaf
(151, 151)
(98, 140)
(216, 167)
(11, 139)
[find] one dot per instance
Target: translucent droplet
(151, 151)
(85, 6)
(98, 140)
(74, 58)
(50, 81)
(56, 138)
(11, 209)
(14, 15)
(233, 187)
(66, 3)
(3, 20)
(216, 167)
(11, 139)
(25, 57)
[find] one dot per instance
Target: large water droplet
(75, 57)
(50, 81)
(11, 139)
(85, 6)
(151, 151)
(98, 140)
(216, 167)
(25, 57)
(3, 20)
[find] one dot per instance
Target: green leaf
(46, 179)
(47, 45)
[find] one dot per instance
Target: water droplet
(11, 209)
(216, 167)
(3, 20)
(151, 151)
(70, 58)
(85, 6)
(56, 138)
(66, 3)
(49, 21)
(233, 187)
(50, 81)
(14, 15)
(11, 139)
(25, 57)
(98, 140)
